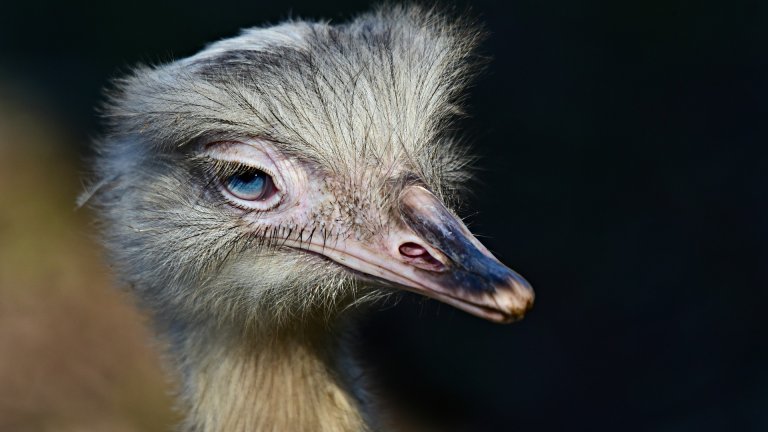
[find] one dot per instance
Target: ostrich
(256, 195)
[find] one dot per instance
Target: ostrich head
(293, 170)
(249, 193)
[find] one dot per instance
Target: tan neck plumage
(279, 383)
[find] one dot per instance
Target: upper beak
(435, 255)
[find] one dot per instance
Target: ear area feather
(92, 189)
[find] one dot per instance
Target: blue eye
(251, 185)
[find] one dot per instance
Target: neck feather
(264, 381)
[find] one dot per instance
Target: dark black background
(623, 173)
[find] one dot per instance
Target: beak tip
(515, 302)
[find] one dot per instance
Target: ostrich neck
(267, 381)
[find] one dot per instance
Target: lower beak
(435, 255)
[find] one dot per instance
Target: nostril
(411, 249)
(419, 256)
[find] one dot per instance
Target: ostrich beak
(434, 255)
(454, 267)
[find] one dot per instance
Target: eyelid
(220, 164)
(214, 153)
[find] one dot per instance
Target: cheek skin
(329, 208)
(312, 202)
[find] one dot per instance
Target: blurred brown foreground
(75, 355)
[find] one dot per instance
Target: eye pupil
(249, 185)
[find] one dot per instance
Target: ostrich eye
(250, 185)
(244, 174)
